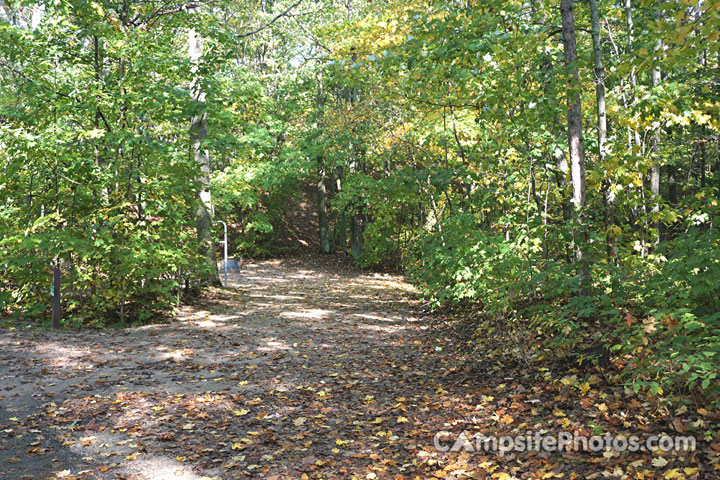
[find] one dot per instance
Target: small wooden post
(56, 314)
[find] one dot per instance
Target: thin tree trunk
(198, 133)
(599, 71)
(637, 148)
(633, 80)
(655, 151)
(575, 138)
(672, 185)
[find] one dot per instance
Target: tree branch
(275, 18)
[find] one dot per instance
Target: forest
(544, 174)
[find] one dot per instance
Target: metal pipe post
(56, 312)
(225, 250)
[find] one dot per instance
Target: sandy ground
(291, 339)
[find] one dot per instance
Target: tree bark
(633, 81)
(198, 133)
(575, 138)
(574, 116)
(599, 70)
(655, 151)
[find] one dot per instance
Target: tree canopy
(553, 166)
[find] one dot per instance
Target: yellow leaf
(237, 446)
(507, 420)
(584, 388)
(402, 420)
(240, 413)
(180, 459)
(674, 473)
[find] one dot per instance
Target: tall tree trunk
(639, 146)
(655, 152)
(575, 138)
(322, 206)
(599, 70)
(198, 133)
(633, 80)
(562, 169)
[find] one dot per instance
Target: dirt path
(306, 371)
(292, 373)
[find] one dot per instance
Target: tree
(656, 76)
(600, 101)
(201, 156)
(574, 131)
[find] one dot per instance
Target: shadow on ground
(295, 370)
